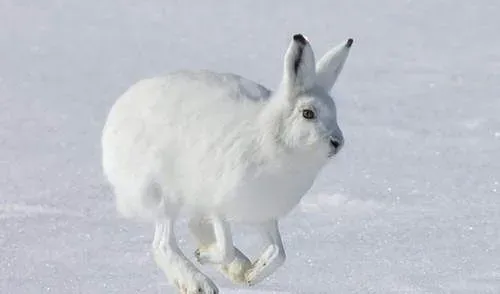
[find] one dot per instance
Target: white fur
(224, 147)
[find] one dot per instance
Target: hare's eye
(308, 114)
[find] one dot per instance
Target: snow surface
(411, 205)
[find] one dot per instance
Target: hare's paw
(201, 256)
(269, 261)
(194, 283)
(184, 276)
(206, 255)
(199, 284)
(233, 270)
(236, 269)
(214, 254)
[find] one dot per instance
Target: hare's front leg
(221, 250)
(215, 246)
(178, 269)
(272, 258)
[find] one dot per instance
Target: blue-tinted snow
(411, 205)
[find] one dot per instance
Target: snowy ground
(411, 205)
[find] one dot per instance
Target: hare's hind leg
(178, 269)
(215, 245)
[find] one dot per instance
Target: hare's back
(192, 97)
(195, 100)
(208, 85)
(181, 97)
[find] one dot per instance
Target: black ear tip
(300, 38)
(349, 43)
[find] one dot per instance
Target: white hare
(224, 149)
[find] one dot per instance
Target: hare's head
(307, 112)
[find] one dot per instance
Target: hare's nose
(336, 143)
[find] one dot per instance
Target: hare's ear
(299, 72)
(330, 65)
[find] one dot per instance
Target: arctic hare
(224, 149)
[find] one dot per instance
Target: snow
(411, 205)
